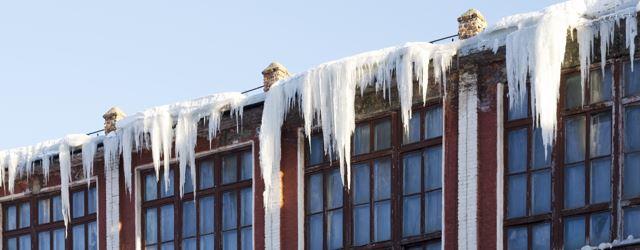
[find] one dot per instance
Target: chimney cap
(471, 13)
(114, 111)
(273, 67)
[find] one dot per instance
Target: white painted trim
(499, 166)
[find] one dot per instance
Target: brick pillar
(273, 73)
(111, 117)
(470, 24)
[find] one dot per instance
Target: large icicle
(88, 154)
(631, 28)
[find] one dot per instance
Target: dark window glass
(229, 169)
(25, 215)
(630, 221)
(189, 219)
(150, 187)
(57, 208)
(541, 235)
(316, 234)
(167, 190)
(600, 180)
(412, 172)
(206, 174)
(44, 240)
(541, 192)
(78, 204)
(630, 183)
(573, 88)
(433, 167)
(92, 242)
(334, 229)
(188, 181)
(433, 206)
(166, 223)
(601, 134)
(246, 172)
(315, 194)
(25, 242)
(517, 150)
(382, 135)
(58, 239)
(574, 139)
(316, 150)
(631, 79)
(517, 186)
(541, 154)
(92, 202)
(207, 207)
(631, 166)
(600, 228)
(229, 211)
(44, 209)
(78, 237)
(411, 213)
(574, 185)
(433, 123)
(574, 233)
(10, 218)
(413, 133)
(334, 190)
(517, 238)
(361, 139)
(601, 87)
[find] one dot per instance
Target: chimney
(470, 24)
(110, 118)
(273, 73)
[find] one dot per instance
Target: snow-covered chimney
(111, 117)
(273, 73)
(470, 24)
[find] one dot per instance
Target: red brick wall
(450, 212)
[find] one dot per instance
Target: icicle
(630, 35)
(46, 163)
(111, 146)
(186, 139)
(586, 39)
(88, 154)
(607, 29)
(65, 177)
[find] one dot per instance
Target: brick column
(470, 24)
(273, 73)
(112, 185)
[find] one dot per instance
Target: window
(337, 217)
(220, 217)
(36, 222)
(630, 173)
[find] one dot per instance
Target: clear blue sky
(64, 63)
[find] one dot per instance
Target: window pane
(382, 135)
(246, 173)
(150, 187)
(433, 123)
(229, 169)
(25, 215)
(599, 228)
(517, 238)
(206, 242)
(315, 234)
(411, 215)
(361, 224)
(433, 168)
(413, 134)
(601, 86)
(78, 204)
(151, 226)
(188, 181)
(43, 211)
(230, 240)
(315, 192)
(574, 185)
(574, 139)
(189, 244)
(206, 215)
(206, 175)
(334, 229)
(189, 219)
(334, 190)
(93, 236)
(229, 210)
(44, 240)
(541, 236)
(630, 183)
(167, 191)
(78, 237)
(434, 246)
(361, 186)
(574, 233)
(382, 220)
(541, 192)
(518, 109)
(412, 171)
(631, 226)
(58, 239)
(316, 150)
(361, 139)
(632, 129)
(247, 238)
(516, 201)
(601, 180)
(166, 215)
(541, 158)
(433, 214)
(601, 134)
(246, 199)
(573, 88)
(12, 244)
(382, 179)
(25, 242)
(10, 218)
(517, 150)
(57, 208)
(92, 202)
(632, 79)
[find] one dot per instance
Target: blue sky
(64, 63)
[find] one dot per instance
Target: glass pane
(361, 224)
(632, 129)
(413, 134)
(189, 244)
(151, 226)
(25, 215)
(57, 208)
(188, 181)
(247, 238)
(574, 185)
(167, 246)
(574, 139)
(150, 187)
(334, 229)
(246, 173)
(382, 179)
(12, 244)
(630, 183)
(10, 218)
(517, 150)
(58, 239)
(573, 88)
(315, 234)
(574, 233)
(412, 172)
(44, 241)
(78, 204)
(189, 219)
(411, 215)
(433, 211)
(382, 220)
(541, 158)
(601, 134)
(206, 215)
(25, 242)
(601, 86)
(434, 246)
(93, 236)
(206, 175)
(44, 209)
(361, 139)
(78, 237)
(360, 184)
(541, 236)
(230, 240)
(246, 204)
(433, 123)
(167, 226)
(517, 238)
(631, 226)
(518, 109)
(541, 192)
(206, 242)
(600, 180)
(166, 191)
(632, 79)
(334, 190)
(382, 135)
(433, 168)
(316, 150)
(315, 192)
(229, 169)
(92, 202)
(229, 210)
(599, 228)
(516, 200)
